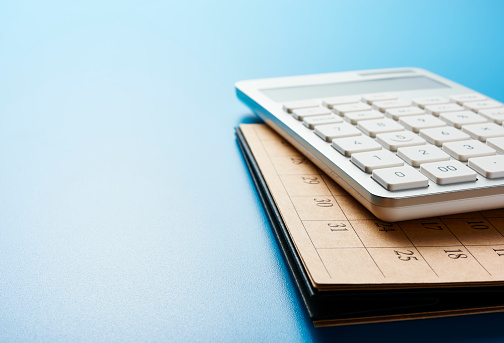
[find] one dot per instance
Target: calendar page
(343, 246)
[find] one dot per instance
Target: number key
(350, 145)
(394, 140)
(465, 150)
(417, 123)
(373, 127)
(448, 172)
(417, 155)
(442, 135)
(400, 178)
(368, 161)
(328, 132)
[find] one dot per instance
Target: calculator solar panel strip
(268, 98)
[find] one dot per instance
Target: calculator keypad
(441, 140)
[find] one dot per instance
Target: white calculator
(406, 143)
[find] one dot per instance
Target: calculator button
(440, 135)
(343, 109)
(430, 100)
(448, 172)
(302, 113)
(417, 123)
(371, 98)
(294, 105)
(417, 155)
(387, 104)
(484, 131)
(355, 117)
(340, 100)
(374, 127)
(458, 119)
(328, 132)
(461, 98)
(396, 113)
(491, 167)
(368, 161)
(400, 178)
(482, 105)
(465, 150)
(437, 109)
(494, 114)
(311, 122)
(350, 145)
(394, 140)
(496, 143)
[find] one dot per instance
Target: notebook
(351, 267)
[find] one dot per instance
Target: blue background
(126, 210)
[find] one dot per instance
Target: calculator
(405, 142)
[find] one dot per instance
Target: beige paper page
(343, 246)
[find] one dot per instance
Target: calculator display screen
(350, 88)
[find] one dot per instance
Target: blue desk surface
(126, 210)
